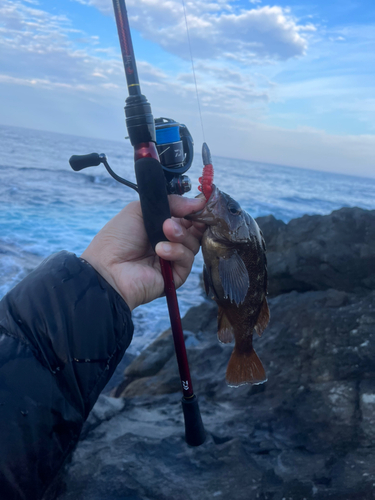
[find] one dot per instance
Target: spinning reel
(174, 144)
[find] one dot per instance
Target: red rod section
(178, 334)
(126, 44)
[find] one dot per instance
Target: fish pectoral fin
(245, 368)
(263, 318)
(234, 278)
(225, 332)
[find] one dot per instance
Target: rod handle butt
(195, 435)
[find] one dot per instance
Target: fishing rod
(163, 152)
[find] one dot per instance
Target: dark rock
(321, 251)
(159, 358)
(367, 410)
(118, 376)
(308, 433)
(153, 358)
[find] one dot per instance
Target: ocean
(45, 207)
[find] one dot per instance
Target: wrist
(106, 272)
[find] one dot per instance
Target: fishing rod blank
(151, 183)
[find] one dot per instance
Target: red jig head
(208, 172)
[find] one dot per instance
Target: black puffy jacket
(63, 330)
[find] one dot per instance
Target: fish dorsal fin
(225, 330)
(234, 278)
(263, 318)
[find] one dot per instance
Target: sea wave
(15, 263)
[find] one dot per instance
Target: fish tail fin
(224, 328)
(245, 368)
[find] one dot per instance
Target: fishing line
(192, 65)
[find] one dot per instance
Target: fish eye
(234, 209)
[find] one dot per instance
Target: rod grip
(195, 434)
(79, 162)
(153, 195)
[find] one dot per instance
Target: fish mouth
(206, 214)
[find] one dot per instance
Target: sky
(290, 82)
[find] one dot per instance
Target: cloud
(42, 49)
(224, 89)
(217, 28)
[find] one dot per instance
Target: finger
(175, 232)
(181, 257)
(181, 206)
(177, 253)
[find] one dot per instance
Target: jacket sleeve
(63, 330)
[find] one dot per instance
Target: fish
(235, 272)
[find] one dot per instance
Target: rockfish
(235, 269)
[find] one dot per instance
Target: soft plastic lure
(208, 173)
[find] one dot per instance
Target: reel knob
(79, 162)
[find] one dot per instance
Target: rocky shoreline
(309, 432)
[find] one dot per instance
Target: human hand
(122, 254)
